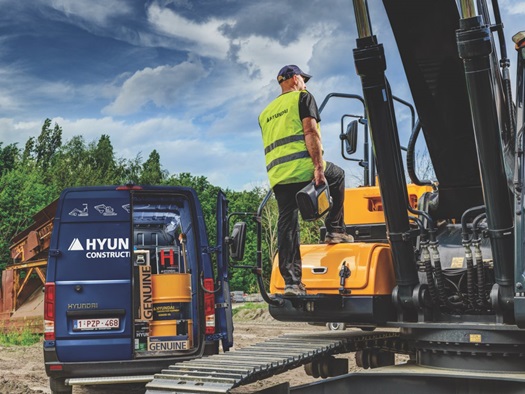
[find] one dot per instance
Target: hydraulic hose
(478, 258)
(469, 258)
(504, 64)
(471, 296)
(440, 279)
(425, 260)
(466, 215)
(429, 272)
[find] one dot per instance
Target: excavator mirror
(350, 137)
(237, 241)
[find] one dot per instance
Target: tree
(152, 172)
(22, 194)
(47, 144)
(129, 170)
(71, 166)
(9, 156)
(102, 159)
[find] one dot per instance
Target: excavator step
(221, 372)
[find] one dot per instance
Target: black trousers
(288, 236)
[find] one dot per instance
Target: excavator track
(222, 372)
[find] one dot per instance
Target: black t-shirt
(308, 106)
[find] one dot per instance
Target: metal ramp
(222, 372)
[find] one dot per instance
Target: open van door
(223, 298)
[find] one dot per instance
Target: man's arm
(313, 144)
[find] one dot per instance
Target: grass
(22, 337)
(248, 306)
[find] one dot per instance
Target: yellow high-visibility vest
(286, 155)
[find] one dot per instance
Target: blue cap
(289, 71)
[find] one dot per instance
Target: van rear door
(223, 297)
(90, 266)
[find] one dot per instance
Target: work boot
(338, 238)
(295, 290)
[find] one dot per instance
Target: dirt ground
(23, 367)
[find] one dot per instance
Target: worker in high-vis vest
(294, 157)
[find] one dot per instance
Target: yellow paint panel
(370, 266)
(363, 205)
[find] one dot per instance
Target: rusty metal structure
(21, 297)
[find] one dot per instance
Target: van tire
(58, 386)
(211, 348)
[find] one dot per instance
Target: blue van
(132, 285)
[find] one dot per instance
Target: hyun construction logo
(102, 248)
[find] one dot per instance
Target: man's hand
(319, 177)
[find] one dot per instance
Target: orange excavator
(437, 269)
(439, 265)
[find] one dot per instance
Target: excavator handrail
(259, 265)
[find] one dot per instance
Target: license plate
(110, 323)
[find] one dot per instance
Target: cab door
(222, 298)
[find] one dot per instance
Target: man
(294, 156)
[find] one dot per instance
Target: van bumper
(143, 366)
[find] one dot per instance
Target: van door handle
(319, 270)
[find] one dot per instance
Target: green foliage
(33, 178)
(152, 173)
(8, 157)
(247, 202)
(22, 194)
(248, 306)
(19, 338)
(310, 231)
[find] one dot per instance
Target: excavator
(437, 269)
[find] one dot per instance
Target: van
(131, 285)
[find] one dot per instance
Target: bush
(22, 337)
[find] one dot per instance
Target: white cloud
(204, 39)
(513, 7)
(268, 56)
(12, 131)
(165, 86)
(94, 11)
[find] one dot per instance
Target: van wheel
(210, 348)
(336, 326)
(58, 386)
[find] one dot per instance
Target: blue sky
(187, 78)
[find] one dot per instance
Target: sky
(187, 78)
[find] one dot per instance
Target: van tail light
(209, 306)
(49, 312)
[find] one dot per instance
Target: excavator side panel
(370, 269)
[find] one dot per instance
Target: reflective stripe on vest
(286, 155)
(284, 159)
